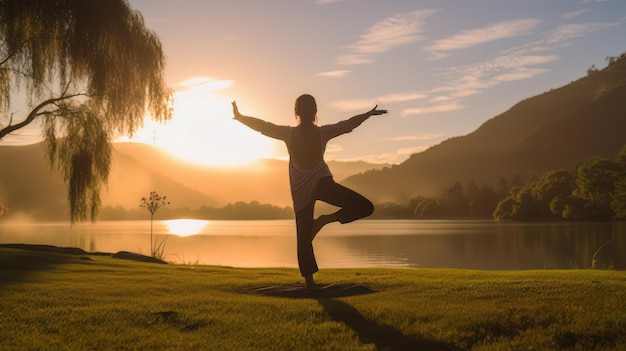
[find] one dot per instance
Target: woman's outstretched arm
(252, 122)
(266, 128)
(356, 121)
(346, 126)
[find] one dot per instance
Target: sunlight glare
(203, 131)
(185, 227)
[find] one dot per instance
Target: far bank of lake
(369, 243)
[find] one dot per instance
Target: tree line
(455, 202)
(234, 211)
(593, 190)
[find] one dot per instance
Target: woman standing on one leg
(310, 178)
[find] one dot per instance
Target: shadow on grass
(299, 291)
(369, 332)
(383, 336)
(17, 264)
(18, 261)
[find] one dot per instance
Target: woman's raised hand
(375, 112)
(236, 113)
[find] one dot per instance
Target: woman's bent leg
(352, 205)
(304, 227)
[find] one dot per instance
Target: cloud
(557, 38)
(401, 97)
(572, 14)
(334, 74)
(506, 63)
(403, 138)
(359, 104)
(518, 74)
(385, 35)
(572, 31)
(394, 157)
(471, 79)
(333, 148)
(202, 84)
(353, 59)
(417, 137)
(456, 92)
(452, 106)
(392, 32)
(470, 38)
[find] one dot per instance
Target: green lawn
(51, 301)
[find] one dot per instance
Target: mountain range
(556, 129)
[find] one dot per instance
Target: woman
(309, 176)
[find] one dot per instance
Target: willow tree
(90, 70)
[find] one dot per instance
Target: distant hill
(265, 180)
(26, 183)
(584, 119)
(31, 190)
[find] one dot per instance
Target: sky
(441, 67)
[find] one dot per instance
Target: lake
(367, 243)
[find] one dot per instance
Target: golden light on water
(185, 227)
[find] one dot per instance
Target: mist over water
(368, 243)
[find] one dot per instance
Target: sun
(185, 227)
(203, 131)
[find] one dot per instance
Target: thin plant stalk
(152, 204)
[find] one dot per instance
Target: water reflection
(185, 227)
(370, 243)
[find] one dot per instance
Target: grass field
(52, 301)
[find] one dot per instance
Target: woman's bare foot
(320, 222)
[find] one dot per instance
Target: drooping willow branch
(34, 114)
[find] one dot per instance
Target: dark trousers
(352, 206)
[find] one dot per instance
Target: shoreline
(126, 255)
